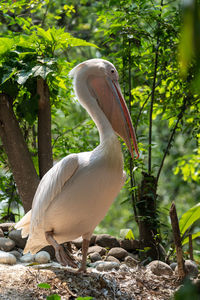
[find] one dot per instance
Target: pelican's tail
(24, 224)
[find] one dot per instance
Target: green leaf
(23, 76)
(188, 218)
(6, 44)
(42, 71)
(53, 297)
(44, 285)
(194, 236)
(127, 234)
(84, 298)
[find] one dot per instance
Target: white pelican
(75, 194)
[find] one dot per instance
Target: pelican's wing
(50, 186)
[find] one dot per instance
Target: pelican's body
(74, 196)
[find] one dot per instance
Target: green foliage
(44, 285)
(127, 234)
(53, 297)
(84, 298)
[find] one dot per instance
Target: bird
(76, 193)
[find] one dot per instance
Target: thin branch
(45, 14)
(153, 93)
(171, 137)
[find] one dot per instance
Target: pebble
(15, 235)
(112, 258)
(106, 240)
(1, 233)
(7, 258)
(131, 262)
(118, 253)
(95, 256)
(42, 257)
(78, 242)
(129, 245)
(6, 244)
(16, 253)
(98, 249)
(173, 265)
(107, 266)
(27, 258)
(159, 268)
(190, 267)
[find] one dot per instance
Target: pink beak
(111, 101)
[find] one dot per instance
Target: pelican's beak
(110, 99)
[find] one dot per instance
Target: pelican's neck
(90, 104)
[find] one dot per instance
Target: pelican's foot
(64, 257)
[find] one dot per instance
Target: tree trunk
(18, 155)
(44, 128)
(147, 216)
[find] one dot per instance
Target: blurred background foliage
(155, 46)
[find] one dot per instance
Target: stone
(107, 241)
(16, 253)
(173, 265)
(7, 258)
(118, 253)
(98, 249)
(129, 245)
(15, 235)
(6, 244)
(27, 258)
(190, 267)
(1, 233)
(7, 226)
(112, 258)
(95, 256)
(160, 268)
(50, 250)
(107, 266)
(42, 257)
(78, 242)
(130, 261)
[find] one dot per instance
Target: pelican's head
(102, 82)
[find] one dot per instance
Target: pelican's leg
(62, 256)
(85, 246)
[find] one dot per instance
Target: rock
(98, 249)
(124, 268)
(7, 258)
(16, 253)
(159, 268)
(1, 233)
(78, 242)
(106, 240)
(131, 262)
(113, 259)
(95, 256)
(190, 267)
(50, 250)
(107, 266)
(6, 244)
(7, 226)
(118, 253)
(42, 257)
(173, 265)
(15, 235)
(27, 258)
(129, 245)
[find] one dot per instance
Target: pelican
(75, 194)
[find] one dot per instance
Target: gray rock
(113, 259)
(130, 261)
(106, 240)
(16, 253)
(78, 242)
(42, 257)
(27, 258)
(129, 245)
(6, 244)
(1, 233)
(118, 253)
(15, 235)
(173, 265)
(190, 267)
(98, 249)
(107, 266)
(95, 256)
(7, 258)
(159, 268)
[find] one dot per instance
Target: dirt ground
(20, 282)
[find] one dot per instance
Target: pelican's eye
(112, 71)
